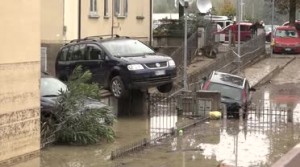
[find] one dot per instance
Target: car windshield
(127, 48)
(226, 91)
(286, 34)
(52, 86)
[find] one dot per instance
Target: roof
(228, 79)
(285, 28)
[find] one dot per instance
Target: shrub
(76, 121)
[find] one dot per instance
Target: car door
(95, 62)
(61, 64)
(245, 32)
(67, 66)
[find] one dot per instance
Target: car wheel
(117, 87)
(165, 88)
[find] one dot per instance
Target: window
(63, 54)
(93, 53)
(93, 9)
(106, 8)
(70, 53)
(127, 48)
(78, 52)
(121, 8)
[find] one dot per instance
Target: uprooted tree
(73, 123)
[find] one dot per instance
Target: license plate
(288, 49)
(160, 72)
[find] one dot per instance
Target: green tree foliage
(228, 9)
(164, 6)
(73, 122)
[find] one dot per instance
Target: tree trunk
(292, 12)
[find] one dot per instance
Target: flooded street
(271, 129)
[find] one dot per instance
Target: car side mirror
(252, 89)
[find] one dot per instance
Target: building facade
(65, 20)
(106, 17)
(19, 80)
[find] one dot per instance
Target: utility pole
(239, 33)
(272, 27)
(186, 5)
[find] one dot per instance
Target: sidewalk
(264, 70)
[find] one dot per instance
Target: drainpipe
(112, 17)
(79, 19)
(151, 23)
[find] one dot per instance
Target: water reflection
(259, 141)
(238, 147)
(163, 124)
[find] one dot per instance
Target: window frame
(106, 11)
(93, 9)
(121, 8)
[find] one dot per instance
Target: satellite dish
(204, 6)
(188, 1)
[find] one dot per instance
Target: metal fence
(164, 114)
(251, 51)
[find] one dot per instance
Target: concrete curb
(290, 159)
(272, 74)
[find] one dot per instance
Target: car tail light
(244, 96)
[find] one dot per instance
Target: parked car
(245, 32)
(118, 64)
(286, 40)
(287, 23)
(235, 91)
(50, 88)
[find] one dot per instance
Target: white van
(223, 21)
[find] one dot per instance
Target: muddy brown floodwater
(258, 141)
(269, 131)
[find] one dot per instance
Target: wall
(52, 20)
(19, 80)
(102, 25)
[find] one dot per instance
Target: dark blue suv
(118, 64)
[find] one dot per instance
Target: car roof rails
(96, 37)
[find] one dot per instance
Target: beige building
(106, 17)
(25, 25)
(19, 80)
(59, 19)
(60, 22)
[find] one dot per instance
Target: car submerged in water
(51, 88)
(235, 91)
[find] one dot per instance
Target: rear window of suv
(123, 48)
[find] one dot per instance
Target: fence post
(290, 116)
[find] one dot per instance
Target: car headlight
(171, 63)
(133, 67)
